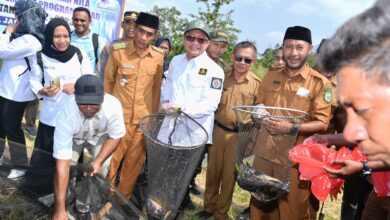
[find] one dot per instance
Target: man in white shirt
(194, 82)
(94, 121)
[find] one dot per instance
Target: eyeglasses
(192, 39)
(240, 59)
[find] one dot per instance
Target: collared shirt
(236, 93)
(58, 73)
(72, 125)
(86, 44)
(14, 73)
(135, 80)
(195, 86)
(306, 91)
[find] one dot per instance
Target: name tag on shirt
(303, 92)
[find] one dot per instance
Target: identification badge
(202, 71)
(303, 92)
(216, 83)
(123, 81)
(328, 94)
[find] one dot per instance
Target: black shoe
(187, 205)
(203, 214)
(194, 189)
(244, 215)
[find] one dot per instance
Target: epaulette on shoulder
(255, 77)
(158, 49)
(119, 45)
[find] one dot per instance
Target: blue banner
(106, 14)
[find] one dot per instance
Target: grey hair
(31, 17)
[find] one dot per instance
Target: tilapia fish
(263, 187)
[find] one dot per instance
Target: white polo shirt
(71, 125)
(14, 81)
(195, 86)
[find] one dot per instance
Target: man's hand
(277, 126)
(49, 91)
(60, 215)
(168, 108)
(68, 88)
(317, 138)
(96, 167)
(348, 167)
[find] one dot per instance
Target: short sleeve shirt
(72, 126)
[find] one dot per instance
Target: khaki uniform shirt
(134, 80)
(236, 93)
(223, 65)
(308, 91)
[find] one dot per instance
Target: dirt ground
(14, 205)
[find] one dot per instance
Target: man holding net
(93, 121)
(194, 82)
(297, 86)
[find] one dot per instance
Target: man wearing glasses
(239, 88)
(299, 87)
(194, 82)
(133, 75)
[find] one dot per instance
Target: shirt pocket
(272, 94)
(300, 102)
(126, 75)
(152, 70)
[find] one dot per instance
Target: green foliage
(171, 25)
(217, 20)
(268, 57)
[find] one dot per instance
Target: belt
(225, 128)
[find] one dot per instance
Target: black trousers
(356, 191)
(11, 114)
(42, 155)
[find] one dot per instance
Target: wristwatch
(366, 170)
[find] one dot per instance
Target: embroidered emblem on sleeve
(216, 83)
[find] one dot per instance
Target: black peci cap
(298, 33)
(148, 20)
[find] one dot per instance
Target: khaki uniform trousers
(220, 177)
(132, 150)
(297, 205)
(376, 208)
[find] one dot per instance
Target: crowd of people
(93, 94)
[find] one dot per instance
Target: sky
(265, 21)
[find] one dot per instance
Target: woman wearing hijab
(18, 46)
(62, 65)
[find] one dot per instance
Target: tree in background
(173, 24)
(267, 58)
(217, 20)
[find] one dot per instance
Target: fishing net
(175, 143)
(31, 196)
(265, 135)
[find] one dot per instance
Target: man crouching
(93, 121)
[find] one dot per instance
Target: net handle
(241, 108)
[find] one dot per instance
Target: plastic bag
(312, 157)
